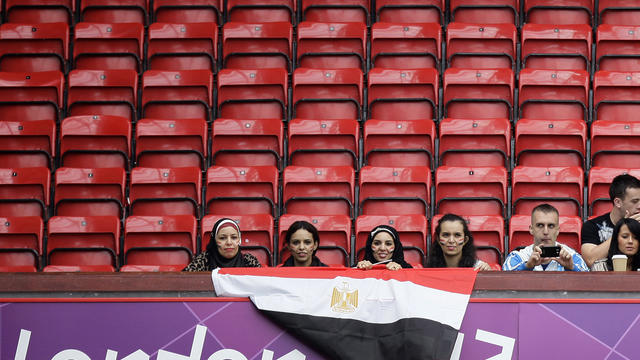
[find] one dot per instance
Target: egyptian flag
(359, 314)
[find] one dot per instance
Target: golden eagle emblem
(343, 299)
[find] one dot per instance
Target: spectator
(627, 233)
(454, 246)
(624, 192)
(383, 246)
(302, 240)
(223, 249)
(545, 228)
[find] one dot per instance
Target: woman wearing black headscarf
(223, 249)
(384, 246)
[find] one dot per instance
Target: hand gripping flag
(356, 314)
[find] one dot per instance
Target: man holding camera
(545, 254)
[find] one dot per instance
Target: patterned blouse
(201, 262)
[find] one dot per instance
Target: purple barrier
(216, 330)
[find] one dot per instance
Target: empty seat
(113, 46)
(479, 142)
(485, 11)
(616, 96)
(79, 268)
(332, 45)
(327, 93)
(241, 190)
(482, 93)
(520, 236)
(600, 179)
(183, 94)
(334, 232)
(89, 192)
(615, 144)
(617, 48)
(121, 11)
(335, 11)
(160, 240)
(554, 94)
(266, 10)
(25, 192)
(171, 143)
(412, 230)
(405, 46)
(561, 187)
(83, 240)
(34, 47)
(257, 45)
(410, 94)
(165, 191)
(31, 96)
(558, 12)
(617, 12)
(38, 11)
(257, 142)
(554, 141)
(481, 46)
(399, 142)
(324, 142)
(21, 242)
(395, 190)
(471, 190)
(103, 92)
(256, 230)
(27, 143)
(253, 94)
(554, 46)
(318, 190)
(95, 142)
(410, 11)
(183, 46)
(190, 11)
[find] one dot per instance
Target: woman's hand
(393, 266)
(364, 265)
(482, 266)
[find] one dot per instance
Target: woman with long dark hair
(302, 241)
(453, 245)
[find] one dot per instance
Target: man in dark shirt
(624, 192)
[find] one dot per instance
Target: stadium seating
(257, 142)
(478, 142)
(335, 10)
(405, 46)
(481, 93)
(103, 92)
(539, 142)
(318, 190)
(183, 46)
(409, 94)
(471, 190)
(165, 191)
(121, 11)
(556, 46)
(171, 143)
(617, 48)
(37, 47)
(253, 94)
(615, 144)
(485, 11)
(31, 95)
(248, 11)
(240, 190)
(616, 96)
(110, 46)
(554, 94)
(257, 45)
(38, 11)
(21, 242)
(558, 12)
(615, 12)
(481, 46)
(332, 45)
(25, 192)
(324, 142)
(399, 142)
(327, 93)
(561, 187)
(27, 143)
(394, 190)
(410, 11)
(187, 11)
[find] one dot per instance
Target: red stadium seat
(558, 12)
(519, 235)
(25, 192)
(31, 96)
(242, 190)
(37, 47)
(165, 191)
(559, 142)
(256, 142)
(481, 46)
(554, 46)
(253, 94)
(335, 11)
(324, 142)
(405, 46)
(411, 228)
(561, 187)
(403, 94)
(120, 11)
(615, 144)
(39, 11)
(488, 236)
(184, 94)
(399, 142)
(257, 45)
(327, 93)
(318, 190)
(256, 230)
(554, 94)
(160, 240)
(89, 192)
(103, 92)
(332, 45)
(27, 143)
(248, 11)
(95, 142)
(78, 268)
(151, 268)
(479, 142)
(482, 93)
(187, 11)
(617, 48)
(471, 190)
(114, 46)
(485, 11)
(171, 143)
(616, 96)
(618, 12)
(394, 190)
(83, 240)
(410, 11)
(599, 182)
(183, 46)
(21, 242)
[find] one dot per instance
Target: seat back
(31, 96)
(25, 191)
(471, 190)
(238, 190)
(481, 46)
(21, 241)
(124, 11)
(558, 12)
(616, 96)
(165, 191)
(103, 92)
(394, 190)
(332, 45)
(257, 45)
(409, 11)
(406, 46)
(485, 11)
(335, 11)
(318, 190)
(555, 46)
(477, 142)
(38, 47)
(615, 144)
(257, 142)
(111, 46)
(197, 11)
(190, 46)
(247, 11)
(327, 93)
(160, 240)
(89, 191)
(253, 94)
(37, 12)
(403, 94)
(324, 142)
(562, 141)
(27, 143)
(482, 93)
(561, 187)
(613, 12)
(171, 143)
(399, 142)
